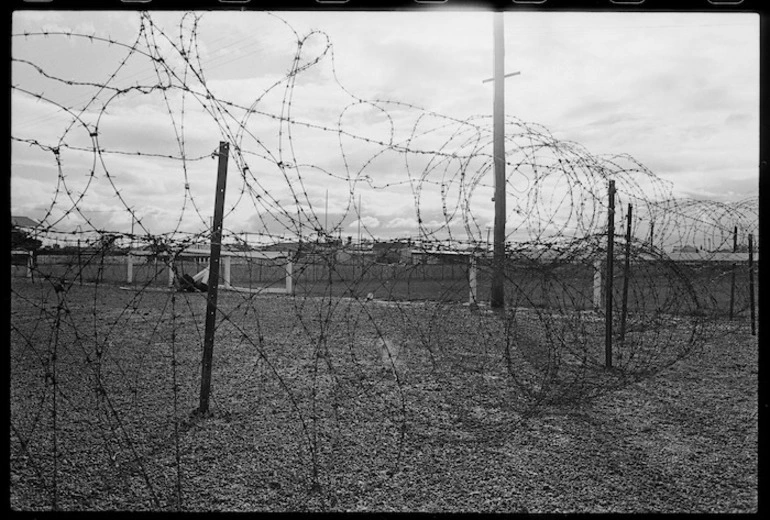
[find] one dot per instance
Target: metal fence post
(751, 286)
(732, 274)
(626, 273)
(472, 283)
(608, 291)
(211, 301)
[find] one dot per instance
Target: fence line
(715, 273)
(104, 369)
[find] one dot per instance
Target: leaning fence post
(608, 291)
(213, 283)
(751, 286)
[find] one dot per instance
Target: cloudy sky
(375, 96)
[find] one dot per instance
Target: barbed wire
(111, 357)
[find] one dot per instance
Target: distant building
(685, 249)
(23, 222)
(419, 256)
(20, 236)
(291, 247)
(391, 252)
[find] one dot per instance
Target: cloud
(740, 120)
(401, 223)
(367, 222)
(679, 93)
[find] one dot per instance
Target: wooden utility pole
(498, 121)
(608, 294)
(211, 302)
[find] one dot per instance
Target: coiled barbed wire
(115, 362)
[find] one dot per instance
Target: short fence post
(80, 266)
(170, 273)
(751, 286)
(652, 234)
(226, 261)
(129, 268)
(732, 273)
(608, 291)
(30, 264)
(473, 296)
(598, 283)
(732, 291)
(626, 273)
(100, 270)
(290, 277)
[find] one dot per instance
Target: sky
(677, 91)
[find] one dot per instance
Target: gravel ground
(306, 417)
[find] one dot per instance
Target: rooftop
(21, 221)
